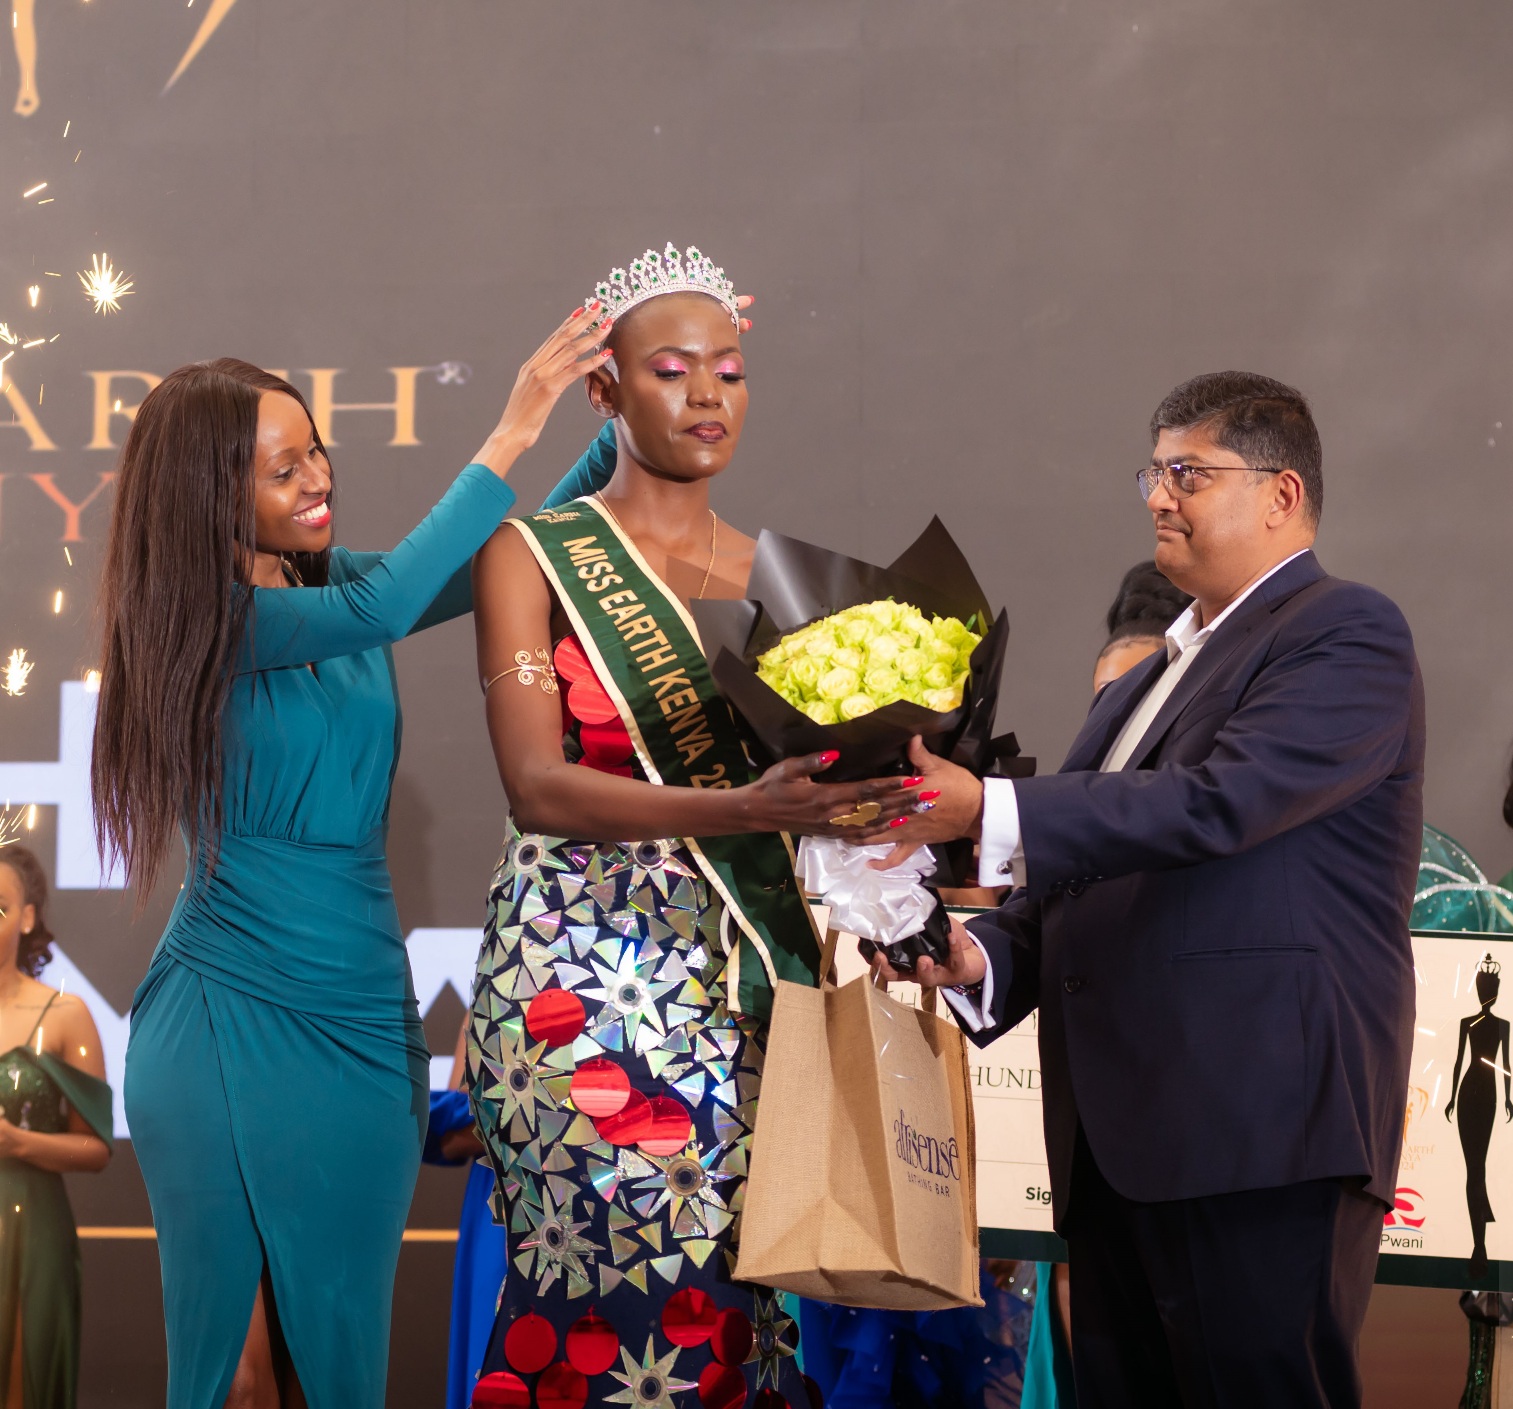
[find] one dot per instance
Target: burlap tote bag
(862, 1188)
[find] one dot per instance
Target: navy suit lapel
(1110, 710)
(1256, 610)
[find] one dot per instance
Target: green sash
(644, 648)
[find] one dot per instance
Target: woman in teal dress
(55, 1118)
(276, 1076)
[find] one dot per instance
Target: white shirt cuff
(1000, 858)
(974, 1014)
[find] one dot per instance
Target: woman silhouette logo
(1477, 1098)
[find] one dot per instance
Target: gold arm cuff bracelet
(529, 668)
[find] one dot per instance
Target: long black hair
(173, 605)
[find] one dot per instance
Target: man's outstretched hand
(955, 795)
(962, 967)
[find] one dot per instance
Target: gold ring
(865, 812)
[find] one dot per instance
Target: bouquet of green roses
(830, 652)
(868, 656)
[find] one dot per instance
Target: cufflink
(1005, 868)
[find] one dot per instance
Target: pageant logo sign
(930, 1159)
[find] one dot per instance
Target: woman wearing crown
(645, 904)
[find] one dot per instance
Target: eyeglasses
(1184, 480)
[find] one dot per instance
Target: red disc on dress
(689, 1317)
(569, 660)
(670, 1127)
(501, 1390)
(592, 1344)
(605, 743)
(590, 702)
(561, 1387)
(732, 1340)
(770, 1398)
(554, 1017)
(628, 1126)
(530, 1344)
(599, 1088)
(815, 1393)
(721, 1387)
(620, 770)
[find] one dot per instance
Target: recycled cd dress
(616, 1094)
(39, 1245)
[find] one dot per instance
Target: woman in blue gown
(276, 1076)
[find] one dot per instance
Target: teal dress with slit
(276, 1078)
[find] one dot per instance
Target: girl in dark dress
(55, 1117)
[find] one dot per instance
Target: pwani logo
(1403, 1219)
(1404, 1212)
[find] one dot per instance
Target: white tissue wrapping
(883, 906)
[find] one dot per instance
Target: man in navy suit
(1211, 916)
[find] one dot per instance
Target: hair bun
(1146, 604)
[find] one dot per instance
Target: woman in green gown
(55, 1117)
(276, 1075)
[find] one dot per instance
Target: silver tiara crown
(655, 274)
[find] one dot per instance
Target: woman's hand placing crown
(565, 357)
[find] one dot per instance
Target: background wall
(986, 238)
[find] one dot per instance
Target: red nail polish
(576, 311)
(898, 821)
(913, 782)
(828, 757)
(930, 796)
(594, 304)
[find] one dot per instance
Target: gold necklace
(714, 531)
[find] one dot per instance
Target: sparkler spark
(218, 11)
(8, 337)
(34, 293)
(104, 285)
(11, 823)
(40, 186)
(92, 681)
(57, 601)
(17, 668)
